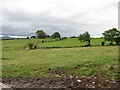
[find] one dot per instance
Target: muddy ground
(93, 81)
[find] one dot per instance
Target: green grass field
(70, 42)
(18, 61)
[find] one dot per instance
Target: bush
(27, 38)
(31, 46)
(102, 43)
(64, 37)
(33, 37)
(73, 37)
(42, 41)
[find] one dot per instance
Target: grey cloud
(40, 21)
(21, 22)
(6, 29)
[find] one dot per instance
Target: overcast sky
(69, 17)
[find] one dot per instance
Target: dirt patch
(92, 81)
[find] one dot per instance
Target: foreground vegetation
(18, 61)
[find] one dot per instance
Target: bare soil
(92, 81)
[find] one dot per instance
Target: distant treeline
(112, 35)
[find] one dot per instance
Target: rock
(114, 82)
(71, 77)
(93, 82)
(78, 80)
(76, 76)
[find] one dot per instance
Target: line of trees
(112, 35)
(42, 34)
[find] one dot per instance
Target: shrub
(35, 47)
(33, 36)
(102, 43)
(31, 46)
(64, 37)
(72, 36)
(42, 41)
(49, 68)
(27, 38)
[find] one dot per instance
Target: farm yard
(80, 65)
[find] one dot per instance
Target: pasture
(58, 62)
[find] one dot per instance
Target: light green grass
(18, 44)
(34, 63)
(71, 42)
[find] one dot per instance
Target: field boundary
(75, 46)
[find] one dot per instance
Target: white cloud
(2, 35)
(17, 36)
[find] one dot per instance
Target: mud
(92, 81)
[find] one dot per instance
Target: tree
(85, 37)
(56, 35)
(117, 40)
(48, 36)
(41, 34)
(112, 35)
(33, 37)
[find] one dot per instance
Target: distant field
(18, 61)
(19, 43)
(70, 42)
